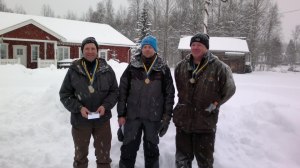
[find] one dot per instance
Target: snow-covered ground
(258, 128)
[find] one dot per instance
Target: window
(103, 54)
(63, 53)
(19, 51)
(35, 51)
(3, 51)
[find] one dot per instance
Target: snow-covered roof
(227, 44)
(66, 30)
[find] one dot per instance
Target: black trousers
(132, 139)
(200, 145)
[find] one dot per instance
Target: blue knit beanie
(150, 40)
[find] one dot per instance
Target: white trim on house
(29, 40)
(31, 21)
(234, 53)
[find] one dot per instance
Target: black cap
(89, 40)
(201, 38)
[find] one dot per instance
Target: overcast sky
(61, 7)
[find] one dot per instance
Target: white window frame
(105, 51)
(38, 52)
(6, 48)
(63, 50)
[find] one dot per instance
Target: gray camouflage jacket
(213, 83)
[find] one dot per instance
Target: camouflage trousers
(200, 145)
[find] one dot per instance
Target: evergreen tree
(98, 16)
(291, 52)
(143, 25)
(275, 52)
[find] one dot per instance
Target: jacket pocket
(207, 120)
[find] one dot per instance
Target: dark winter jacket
(74, 92)
(213, 83)
(146, 101)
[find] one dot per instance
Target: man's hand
(121, 121)
(84, 112)
(163, 129)
(212, 107)
(101, 110)
(164, 125)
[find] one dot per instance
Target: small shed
(233, 51)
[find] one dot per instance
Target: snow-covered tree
(272, 49)
(109, 16)
(144, 24)
(98, 15)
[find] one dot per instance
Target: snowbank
(258, 128)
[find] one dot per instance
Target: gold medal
(192, 80)
(147, 80)
(91, 89)
(90, 76)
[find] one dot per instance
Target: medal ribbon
(91, 78)
(197, 70)
(150, 69)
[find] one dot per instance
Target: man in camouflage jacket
(204, 83)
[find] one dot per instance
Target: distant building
(37, 41)
(233, 51)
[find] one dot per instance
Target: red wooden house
(37, 41)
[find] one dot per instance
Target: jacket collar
(137, 62)
(207, 57)
(103, 66)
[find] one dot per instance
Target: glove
(211, 108)
(120, 133)
(164, 125)
(163, 129)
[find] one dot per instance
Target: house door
(20, 52)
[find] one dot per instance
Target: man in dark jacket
(145, 104)
(90, 87)
(204, 83)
